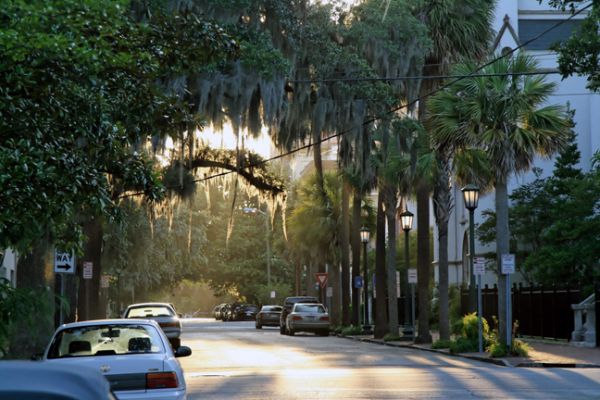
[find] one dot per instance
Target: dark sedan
(244, 312)
(268, 316)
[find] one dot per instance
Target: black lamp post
(364, 238)
(406, 221)
(471, 199)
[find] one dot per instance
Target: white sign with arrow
(64, 263)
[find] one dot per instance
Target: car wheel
(282, 330)
(291, 332)
(258, 326)
(324, 333)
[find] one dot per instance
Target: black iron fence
(540, 311)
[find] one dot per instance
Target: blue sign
(358, 282)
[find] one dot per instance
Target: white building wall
(570, 91)
(8, 266)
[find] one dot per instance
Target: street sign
(104, 281)
(322, 278)
(329, 291)
(508, 263)
(412, 275)
(88, 270)
(64, 263)
(479, 266)
(273, 294)
(358, 282)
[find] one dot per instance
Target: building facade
(8, 266)
(517, 22)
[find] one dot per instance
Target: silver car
(163, 313)
(307, 317)
(133, 355)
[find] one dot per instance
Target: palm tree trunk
(391, 264)
(318, 162)
(423, 263)
(345, 251)
(502, 247)
(380, 282)
(355, 242)
(442, 200)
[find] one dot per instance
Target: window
(531, 28)
(149, 312)
(104, 340)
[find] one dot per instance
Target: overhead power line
(396, 109)
(422, 77)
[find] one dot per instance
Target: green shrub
(390, 337)
(26, 320)
(520, 348)
(470, 327)
(464, 345)
(441, 344)
(497, 349)
(351, 330)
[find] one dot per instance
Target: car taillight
(297, 318)
(161, 380)
(324, 318)
(170, 324)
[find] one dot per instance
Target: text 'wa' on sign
(64, 263)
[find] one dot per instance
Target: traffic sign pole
(62, 295)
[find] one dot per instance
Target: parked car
(216, 312)
(134, 355)
(288, 304)
(163, 313)
(226, 312)
(51, 381)
(244, 312)
(268, 316)
(307, 317)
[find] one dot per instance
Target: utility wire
(396, 109)
(422, 77)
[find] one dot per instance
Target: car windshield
(103, 340)
(250, 308)
(310, 308)
(149, 311)
(271, 308)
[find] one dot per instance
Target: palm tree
(452, 26)
(503, 115)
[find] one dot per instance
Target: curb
(555, 365)
(495, 361)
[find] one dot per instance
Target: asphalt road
(233, 360)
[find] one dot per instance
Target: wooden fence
(541, 311)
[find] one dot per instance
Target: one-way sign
(64, 263)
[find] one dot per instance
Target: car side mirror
(183, 351)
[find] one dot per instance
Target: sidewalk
(543, 354)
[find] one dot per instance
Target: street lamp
(252, 210)
(364, 238)
(406, 221)
(471, 199)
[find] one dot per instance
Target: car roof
(299, 299)
(129, 321)
(153, 304)
(52, 380)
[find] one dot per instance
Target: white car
(134, 355)
(307, 317)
